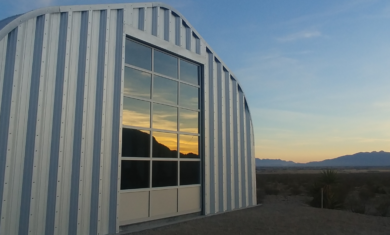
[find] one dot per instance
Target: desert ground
(280, 215)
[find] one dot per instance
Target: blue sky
(316, 73)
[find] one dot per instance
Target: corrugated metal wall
(60, 118)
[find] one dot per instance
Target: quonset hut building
(112, 115)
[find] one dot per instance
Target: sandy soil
(280, 215)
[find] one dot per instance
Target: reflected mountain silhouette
(135, 143)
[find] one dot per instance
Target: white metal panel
(63, 197)
(71, 81)
(85, 161)
(163, 202)
(42, 159)
(127, 15)
(189, 199)
(14, 162)
(108, 102)
(160, 23)
(224, 146)
(137, 206)
(148, 20)
(216, 156)
(193, 43)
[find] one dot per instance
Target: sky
(315, 73)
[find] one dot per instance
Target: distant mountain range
(358, 159)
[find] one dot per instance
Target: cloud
(300, 35)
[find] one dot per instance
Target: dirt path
(280, 216)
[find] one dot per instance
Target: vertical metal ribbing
(188, 38)
(211, 129)
(56, 129)
(220, 138)
(242, 148)
(31, 127)
(116, 124)
(154, 20)
(141, 18)
(235, 141)
(197, 46)
(166, 24)
(177, 30)
(98, 125)
(249, 154)
(74, 192)
(227, 136)
(6, 104)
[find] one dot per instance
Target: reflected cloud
(189, 146)
(136, 112)
(164, 117)
(189, 121)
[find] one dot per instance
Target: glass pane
(189, 72)
(189, 96)
(189, 173)
(164, 90)
(137, 83)
(189, 146)
(164, 117)
(189, 121)
(165, 64)
(164, 174)
(136, 112)
(138, 55)
(135, 174)
(135, 143)
(164, 145)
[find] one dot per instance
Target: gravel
(280, 215)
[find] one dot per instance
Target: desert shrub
(332, 190)
(365, 194)
(354, 203)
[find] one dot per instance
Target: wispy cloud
(300, 35)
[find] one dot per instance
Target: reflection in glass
(164, 173)
(165, 64)
(189, 72)
(189, 173)
(189, 96)
(188, 121)
(164, 145)
(136, 112)
(189, 146)
(135, 143)
(164, 90)
(138, 55)
(164, 117)
(137, 83)
(134, 174)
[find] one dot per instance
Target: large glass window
(160, 118)
(137, 83)
(138, 55)
(165, 64)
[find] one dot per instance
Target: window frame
(151, 130)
